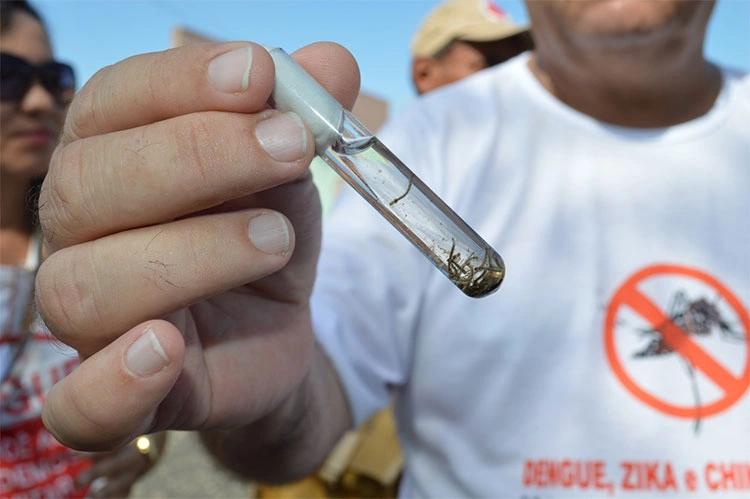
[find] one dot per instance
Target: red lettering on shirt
(727, 476)
(567, 474)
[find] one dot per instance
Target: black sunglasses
(17, 75)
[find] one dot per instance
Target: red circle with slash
(678, 340)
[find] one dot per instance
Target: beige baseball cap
(466, 20)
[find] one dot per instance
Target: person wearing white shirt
(609, 168)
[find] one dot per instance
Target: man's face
(616, 21)
(463, 59)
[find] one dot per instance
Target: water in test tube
(386, 183)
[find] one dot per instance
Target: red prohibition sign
(678, 339)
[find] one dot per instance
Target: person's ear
(426, 74)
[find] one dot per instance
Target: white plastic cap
(295, 90)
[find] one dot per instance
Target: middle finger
(149, 174)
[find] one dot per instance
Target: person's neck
(636, 90)
(16, 226)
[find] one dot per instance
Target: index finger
(236, 76)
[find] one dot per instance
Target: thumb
(113, 395)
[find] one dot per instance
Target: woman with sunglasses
(34, 94)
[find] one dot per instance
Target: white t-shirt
(614, 361)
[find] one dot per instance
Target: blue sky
(94, 33)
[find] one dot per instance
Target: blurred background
(94, 33)
(91, 34)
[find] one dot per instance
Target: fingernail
(283, 137)
(146, 356)
(269, 233)
(230, 72)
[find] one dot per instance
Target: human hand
(181, 321)
(114, 473)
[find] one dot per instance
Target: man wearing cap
(459, 38)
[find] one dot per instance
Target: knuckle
(73, 128)
(88, 111)
(196, 146)
(66, 203)
(155, 82)
(54, 202)
(76, 420)
(55, 418)
(87, 415)
(66, 297)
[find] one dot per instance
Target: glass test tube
(368, 166)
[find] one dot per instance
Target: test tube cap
(295, 90)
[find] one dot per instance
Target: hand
(181, 251)
(114, 473)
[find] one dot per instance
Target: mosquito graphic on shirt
(700, 318)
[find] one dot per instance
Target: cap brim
(487, 32)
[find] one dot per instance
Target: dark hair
(9, 7)
(515, 44)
